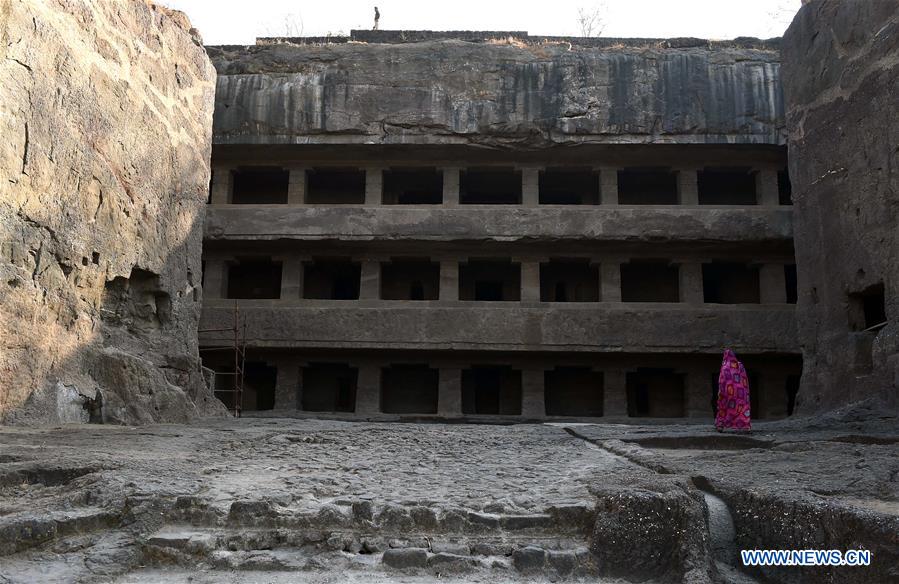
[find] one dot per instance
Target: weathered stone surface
(521, 94)
(105, 112)
(655, 530)
(753, 225)
(406, 558)
(611, 327)
(841, 79)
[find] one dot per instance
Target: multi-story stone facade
(522, 229)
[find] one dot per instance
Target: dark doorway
(413, 186)
(491, 390)
(727, 186)
(867, 308)
(329, 387)
(730, 283)
(655, 393)
(573, 280)
(649, 281)
(647, 186)
(410, 279)
(784, 188)
(335, 186)
(260, 186)
(573, 391)
(569, 187)
(254, 279)
(494, 186)
(332, 279)
(259, 386)
(409, 389)
(791, 283)
(490, 281)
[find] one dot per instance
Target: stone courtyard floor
(287, 500)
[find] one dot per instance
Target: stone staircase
(359, 535)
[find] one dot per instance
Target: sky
(241, 21)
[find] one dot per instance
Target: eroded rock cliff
(841, 82)
(105, 113)
(500, 93)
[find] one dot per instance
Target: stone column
(449, 398)
(215, 278)
(608, 185)
(697, 402)
(614, 393)
(296, 187)
(690, 274)
(287, 386)
(610, 281)
(766, 188)
(688, 186)
(533, 404)
(370, 283)
(291, 278)
(222, 181)
(772, 284)
(368, 389)
(373, 186)
(530, 280)
(451, 179)
(530, 187)
(449, 280)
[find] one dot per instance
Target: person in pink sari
(733, 395)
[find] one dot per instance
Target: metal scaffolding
(239, 348)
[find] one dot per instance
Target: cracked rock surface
(105, 113)
(498, 94)
(267, 499)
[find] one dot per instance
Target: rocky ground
(285, 500)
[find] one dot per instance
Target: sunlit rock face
(105, 113)
(841, 81)
(510, 94)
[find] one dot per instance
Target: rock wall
(841, 82)
(502, 93)
(105, 113)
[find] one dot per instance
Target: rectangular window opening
(569, 281)
(655, 393)
(650, 281)
(410, 279)
(867, 309)
(335, 186)
(491, 390)
(647, 186)
(413, 186)
(730, 283)
(569, 187)
(490, 281)
(260, 185)
(791, 282)
(573, 391)
(254, 279)
(727, 186)
(332, 279)
(329, 387)
(495, 186)
(409, 389)
(784, 188)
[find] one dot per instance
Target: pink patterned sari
(733, 395)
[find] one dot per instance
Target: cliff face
(105, 113)
(841, 81)
(497, 93)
